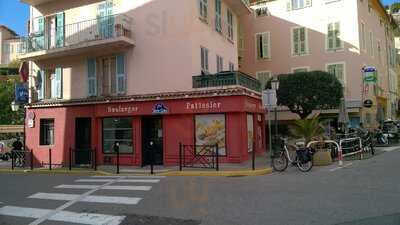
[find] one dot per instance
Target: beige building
(10, 45)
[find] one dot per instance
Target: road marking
(129, 176)
(62, 216)
(341, 167)
(390, 149)
(120, 181)
(105, 187)
(90, 198)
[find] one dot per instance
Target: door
(105, 19)
(152, 141)
(82, 141)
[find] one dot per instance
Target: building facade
(340, 37)
(10, 45)
(140, 74)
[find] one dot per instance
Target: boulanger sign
(370, 75)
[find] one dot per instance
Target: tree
(307, 129)
(14, 63)
(304, 92)
(395, 7)
(7, 116)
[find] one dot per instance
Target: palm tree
(308, 129)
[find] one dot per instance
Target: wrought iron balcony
(225, 79)
(100, 34)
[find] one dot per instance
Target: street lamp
(275, 86)
(15, 108)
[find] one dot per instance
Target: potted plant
(312, 130)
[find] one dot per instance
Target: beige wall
(167, 35)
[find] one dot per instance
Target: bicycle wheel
(304, 167)
(280, 162)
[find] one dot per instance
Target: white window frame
(204, 56)
(306, 3)
(363, 41)
(230, 22)
(268, 34)
(258, 73)
(307, 68)
(306, 47)
(220, 64)
(344, 70)
(335, 48)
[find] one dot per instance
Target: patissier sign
(122, 109)
(203, 105)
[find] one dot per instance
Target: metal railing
(226, 79)
(199, 156)
(101, 28)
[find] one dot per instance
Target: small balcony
(101, 35)
(227, 79)
(241, 7)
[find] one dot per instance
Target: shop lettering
(203, 105)
(122, 109)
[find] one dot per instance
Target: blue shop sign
(21, 93)
(160, 108)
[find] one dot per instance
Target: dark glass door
(82, 150)
(152, 141)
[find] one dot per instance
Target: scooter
(381, 138)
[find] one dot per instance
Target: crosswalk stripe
(62, 216)
(129, 188)
(129, 176)
(120, 181)
(90, 198)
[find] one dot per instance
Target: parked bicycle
(303, 158)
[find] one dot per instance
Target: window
(263, 77)
(298, 4)
(333, 38)
(363, 41)
(379, 51)
(218, 21)
(231, 66)
(203, 7)
(299, 69)
(263, 45)
(299, 41)
(117, 130)
(262, 11)
(371, 44)
(230, 24)
(46, 131)
(204, 59)
(210, 122)
(220, 64)
(337, 69)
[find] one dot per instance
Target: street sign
(370, 75)
(21, 93)
(269, 99)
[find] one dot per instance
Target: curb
(55, 171)
(238, 173)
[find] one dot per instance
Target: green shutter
(91, 77)
(338, 42)
(302, 40)
(58, 83)
(330, 36)
(121, 74)
(60, 29)
(39, 39)
(296, 38)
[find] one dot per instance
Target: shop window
(250, 132)
(210, 130)
(46, 131)
(117, 130)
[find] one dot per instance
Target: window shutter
(289, 5)
(91, 75)
(40, 37)
(295, 37)
(121, 74)
(330, 36)
(60, 29)
(338, 42)
(58, 83)
(302, 37)
(339, 73)
(41, 85)
(259, 46)
(265, 46)
(308, 3)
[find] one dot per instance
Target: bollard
(70, 158)
(12, 160)
(253, 157)
(340, 156)
(217, 155)
(180, 156)
(94, 159)
(32, 159)
(117, 160)
(49, 158)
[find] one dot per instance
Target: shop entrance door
(82, 152)
(152, 140)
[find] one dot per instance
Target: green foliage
(14, 64)
(307, 91)
(8, 71)
(308, 129)
(7, 116)
(395, 7)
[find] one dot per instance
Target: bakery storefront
(233, 119)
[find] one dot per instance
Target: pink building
(137, 73)
(341, 37)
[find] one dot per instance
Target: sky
(15, 14)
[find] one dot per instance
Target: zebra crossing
(90, 186)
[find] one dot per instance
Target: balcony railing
(101, 28)
(226, 79)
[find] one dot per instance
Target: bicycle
(303, 159)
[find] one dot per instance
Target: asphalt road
(362, 193)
